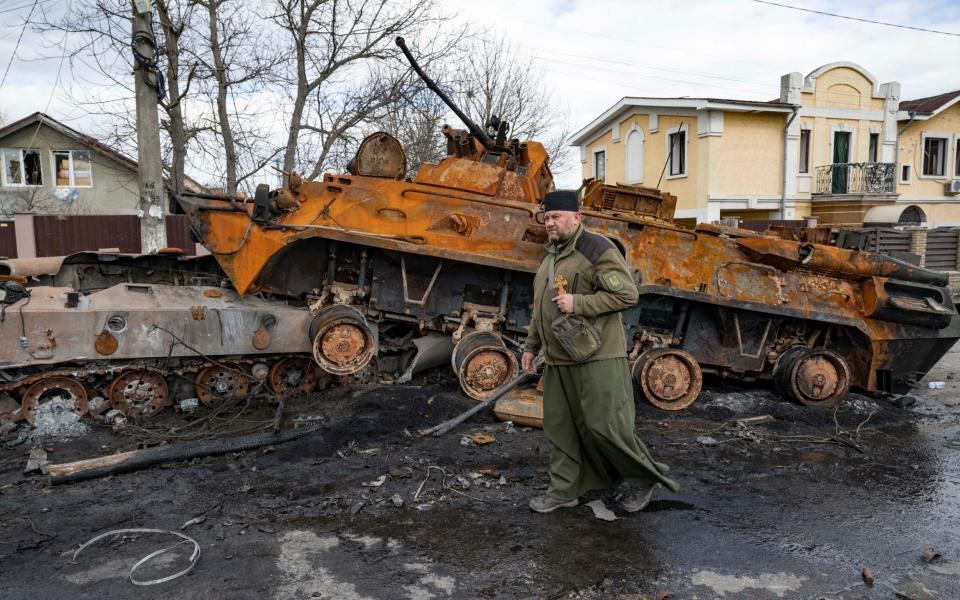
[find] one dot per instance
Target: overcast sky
(595, 52)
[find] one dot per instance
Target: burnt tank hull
(816, 319)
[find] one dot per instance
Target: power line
(638, 75)
(22, 6)
(608, 38)
(621, 61)
(829, 14)
(17, 45)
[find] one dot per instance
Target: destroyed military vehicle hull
(815, 319)
(371, 272)
(132, 333)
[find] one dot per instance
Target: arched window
(635, 156)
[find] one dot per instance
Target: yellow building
(835, 145)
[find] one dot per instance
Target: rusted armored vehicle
(135, 331)
(373, 272)
(390, 264)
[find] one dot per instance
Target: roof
(931, 105)
(93, 143)
(726, 104)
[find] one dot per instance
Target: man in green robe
(587, 404)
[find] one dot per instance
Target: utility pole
(148, 86)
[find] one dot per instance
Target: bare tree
(174, 18)
(344, 70)
(486, 78)
(41, 200)
(493, 79)
(234, 63)
(416, 123)
(98, 50)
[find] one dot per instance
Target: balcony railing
(857, 178)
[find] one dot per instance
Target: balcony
(857, 178)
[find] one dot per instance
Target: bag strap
(551, 270)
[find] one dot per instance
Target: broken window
(72, 168)
(678, 153)
(934, 156)
(804, 150)
(21, 166)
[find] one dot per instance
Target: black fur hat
(567, 200)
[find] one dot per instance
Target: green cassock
(589, 414)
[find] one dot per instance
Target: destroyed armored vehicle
(371, 272)
(386, 262)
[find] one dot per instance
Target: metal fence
(886, 239)
(857, 178)
(761, 225)
(8, 239)
(59, 235)
(178, 234)
(942, 246)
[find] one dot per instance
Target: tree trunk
(223, 88)
(175, 124)
(290, 153)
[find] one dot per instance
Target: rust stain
(106, 344)
(261, 339)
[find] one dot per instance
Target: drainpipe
(913, 115)
(783, 194)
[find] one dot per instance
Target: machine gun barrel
(475, 129)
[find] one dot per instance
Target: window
(635, 156)
(904, 173)
(678, 153)
(21, 167)
(956, 154)
(804, 150)
(600, 165)
(934, 157)
(874, 143)
(72, 168)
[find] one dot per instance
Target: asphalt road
(795, 507)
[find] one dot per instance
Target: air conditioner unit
(952, 186)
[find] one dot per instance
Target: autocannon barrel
(475, 129)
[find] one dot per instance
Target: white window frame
(947, 138)
(809, 146)
(23, 175)
(71, 177)
(901, 178)
(606, 162)
(636, 160)
(686, 151)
